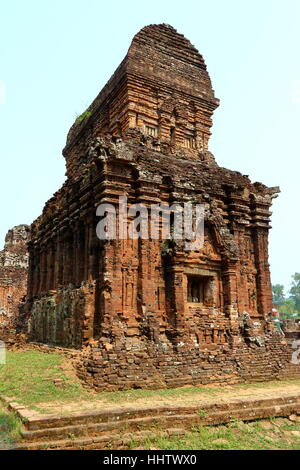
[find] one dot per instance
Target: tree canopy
(278, 294)
(288, 305)
(295, 291)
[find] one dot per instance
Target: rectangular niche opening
(151, 130)
(189, 142)
(197, 289)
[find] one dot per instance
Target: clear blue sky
(55, 56)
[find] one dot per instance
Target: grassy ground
(28, 377)
(273, 434)
(133, 395)
(10, 426)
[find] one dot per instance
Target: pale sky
(55, 56)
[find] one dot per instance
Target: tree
(278, 294)
(287, 309)
(295, 291)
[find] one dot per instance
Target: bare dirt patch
(182, 397)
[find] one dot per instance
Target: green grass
(10, 426)
(83, 116)
(234, 436)
(133, 395)
(274, 383)
(29, 377)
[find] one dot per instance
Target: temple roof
(162, 57)
(160, 52)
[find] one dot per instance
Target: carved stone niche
(202, 287)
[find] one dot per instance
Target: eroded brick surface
(13, 278)
(153, 313)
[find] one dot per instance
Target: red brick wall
(146, 137)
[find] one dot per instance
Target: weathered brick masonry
(153, 313)
(13, 278)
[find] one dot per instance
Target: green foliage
(287, 309)
(83, 116)
(166, 248)
(291, 305)
(295, 291)
(278, 294)
(10, 426)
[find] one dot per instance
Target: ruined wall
(152, 366)
(13, 277)
(152, 309)
(145, 277)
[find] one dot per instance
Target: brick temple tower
(13, 278)
(148, 302)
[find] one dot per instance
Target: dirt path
(179, 397)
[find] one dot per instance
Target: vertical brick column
(230, 289)
(179, 295)
(263, 281)
(50, 264)
(59, 261)
(31, 272)
(43, 269)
